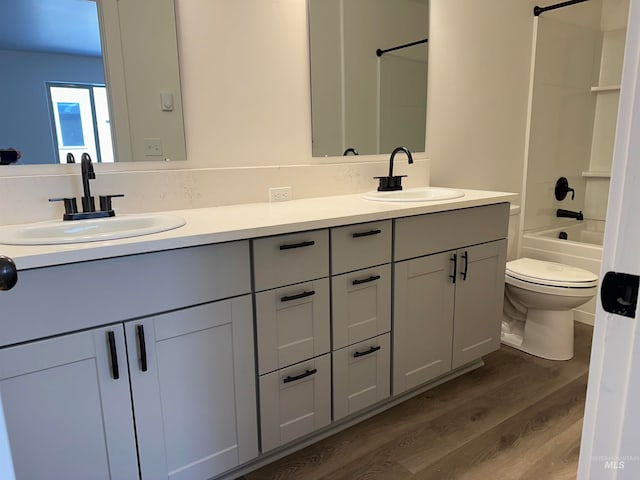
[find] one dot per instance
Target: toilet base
(547, 334)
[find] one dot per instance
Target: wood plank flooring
(518, 417)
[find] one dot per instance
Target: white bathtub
(582, 248)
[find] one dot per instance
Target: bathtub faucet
(569, 214)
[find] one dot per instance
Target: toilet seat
(528, 271)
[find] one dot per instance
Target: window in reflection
(80, 119)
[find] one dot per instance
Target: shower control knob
(8, 273)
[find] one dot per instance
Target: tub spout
(561, 212)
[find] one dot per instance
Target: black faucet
(350, 150)
(391, 182)
(88, 203)
(562, 213)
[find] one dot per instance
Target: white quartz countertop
(236, 222)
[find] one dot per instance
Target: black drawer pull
(297, 245)
(372, 278)
(115, 371)
(362, 354)
(366, 234)
(299, 295)
(143, 348)
(454, 259)
(465, 256)
(306, 374)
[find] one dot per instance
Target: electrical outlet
(280, 194)
(152, 147)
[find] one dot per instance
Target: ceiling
(51, 26)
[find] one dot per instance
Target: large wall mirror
(360, 101)
(95, 76)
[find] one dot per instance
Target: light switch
(166, 102)
(152, 147)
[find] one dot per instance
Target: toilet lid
(550, 273)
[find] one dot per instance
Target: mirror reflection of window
(80, 119)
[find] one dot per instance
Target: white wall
(477, 100)
(139, 40)
(245, 83)
(572, 127)
(562, 112)
(25, 119)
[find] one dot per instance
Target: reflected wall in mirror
(360, 100)
(52, 91)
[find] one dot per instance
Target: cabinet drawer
(292, 324)
(121, 288)
(295, 401)
(437, 232)
(287, 259)
(360, 246)
(361, 305)
(361, 375)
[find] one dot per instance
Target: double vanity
(209, 349)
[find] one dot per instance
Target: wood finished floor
(518, 417)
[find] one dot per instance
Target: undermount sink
(422, 194)
(92, 230)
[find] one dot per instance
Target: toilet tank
(512, 235)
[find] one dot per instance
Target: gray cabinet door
(195, 399)
(422, 325)
(67, 416)
(479, 297)
(292, 324)
(361, 375)
(295, 401)
(361, 305)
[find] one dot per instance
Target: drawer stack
(293, 331)
(361, 315)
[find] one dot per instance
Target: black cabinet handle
(8, 273)
(307, 373)
(297, 245)
(143, 347)
(454, 259)
(115, 371)
(362, 354)
(299, 295)
(465, 257)
(372, 278)
(366, 234)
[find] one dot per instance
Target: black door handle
(115, 371)
(143, 347)
(619, 293)
(307, 373)
(288, 298)
(367, 352)
(8, 273)
(465, 257)
(454, 259)
(297, 245)
(372, 278)
(366, 234)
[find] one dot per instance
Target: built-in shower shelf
(596, 174)
(605, 88)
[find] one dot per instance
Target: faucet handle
(562, 188)
(389, 184)
(105, 201)
(70, 204)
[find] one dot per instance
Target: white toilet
(538, 303)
